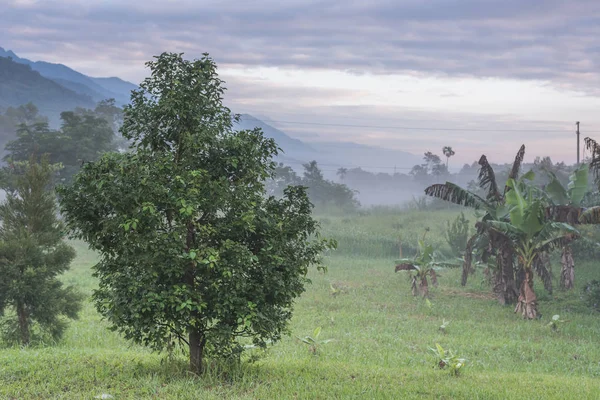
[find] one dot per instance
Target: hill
(95, 88)
(333, 155)
(20, 84)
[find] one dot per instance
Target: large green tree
(190, 247)
(33, 255)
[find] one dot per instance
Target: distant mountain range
(333, 155)
(54, 87)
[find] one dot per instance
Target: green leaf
(556, 191)
(578, 185)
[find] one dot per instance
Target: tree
(82, 138)
(33, 255)
(323, 191)
(448, 152)
(532, 235)
(494, 208)
(190, 247)
(565, 204)
(342, 172)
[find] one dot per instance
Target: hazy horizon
(487, 76)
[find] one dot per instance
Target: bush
(457, 234)
(591, 294)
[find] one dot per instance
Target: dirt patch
(470, 295)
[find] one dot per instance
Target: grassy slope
(382, 335)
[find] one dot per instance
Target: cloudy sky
(481, 76)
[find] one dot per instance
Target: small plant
(591, 294)
(445, 358)
(423, 265)
(313, 341)
(554, 323)
(336, 289)
(444, 325)
(457, 234)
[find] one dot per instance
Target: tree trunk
(197, 342)
(23, 323)
(505, 286)
(424, 287)
(527, 302)
(567, 269)
(433, 275)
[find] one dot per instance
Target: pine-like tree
(32, 256)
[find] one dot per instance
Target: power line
(422, 128)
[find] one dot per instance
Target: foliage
(446, 358)
(32, 256)
(313, 342)
(457, 234)
(189, 244)
(83, 137)
(322, 192)
(381, 335)
(423, 264)
(555, 322)
(20, 84)
(532, 235)
(591, 294)
(444, 325)
(448, 152)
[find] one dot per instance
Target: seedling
(445, 358)
(555, 322)
(313, 341)
(444, 325)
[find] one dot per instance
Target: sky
(481, 76)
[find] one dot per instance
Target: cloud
(547, 40)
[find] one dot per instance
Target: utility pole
(577, 123)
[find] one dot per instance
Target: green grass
(381, 348)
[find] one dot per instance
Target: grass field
(382, 337)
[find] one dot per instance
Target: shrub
(457, 234)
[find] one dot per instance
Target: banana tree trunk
(527, 301)
(567, 270)
(505, 287)
(424, 287)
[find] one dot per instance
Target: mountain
(332, 155)
(20, 84)
(95, 88)
(294, 151)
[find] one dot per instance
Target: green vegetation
(381, 348)
(191, 248)
(191, 267)
(19, 84)
(32, 256)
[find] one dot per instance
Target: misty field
(381, 334)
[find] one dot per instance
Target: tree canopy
(190, 246)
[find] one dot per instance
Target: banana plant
(423, 265)
(492, 207)
(565, 206)
(532, 235)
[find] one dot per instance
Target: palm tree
(448, 152)
(490, 241)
